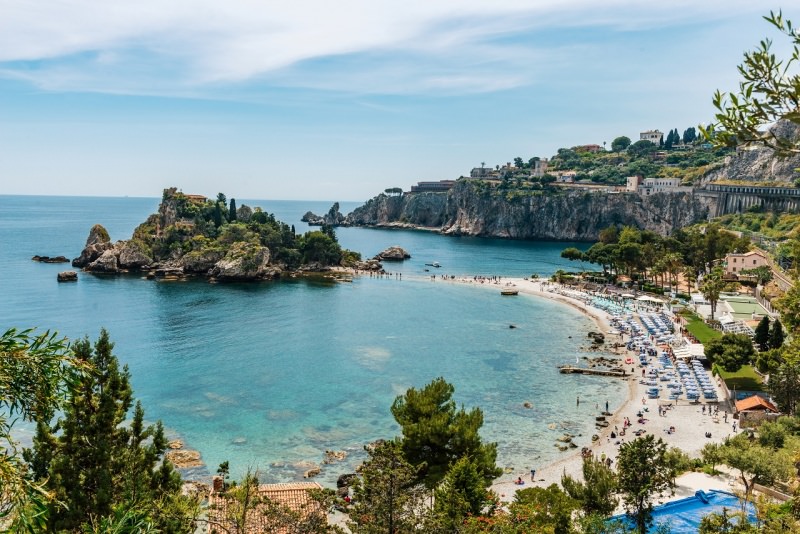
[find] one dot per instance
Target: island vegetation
(193, 235)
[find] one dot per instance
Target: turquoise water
(271, 375)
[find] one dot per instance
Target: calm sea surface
(270, 375)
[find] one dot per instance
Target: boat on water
(434, 264)
(509, 291)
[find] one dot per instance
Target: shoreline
(688, 418)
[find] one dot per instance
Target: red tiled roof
(755, 403)
(294, 496)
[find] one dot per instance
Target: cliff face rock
(417, 209)
(106, 263)
(469, 209)
(243, 261)
(201, 262)
(760, 164)
(96, 244)
(132, 256)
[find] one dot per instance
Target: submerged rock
(67, 276)
(48, 259)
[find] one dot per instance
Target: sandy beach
(691, 420)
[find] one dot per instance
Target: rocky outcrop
(332, 218)
(131, 255)
(106, 263)
(67, 276)
(393, 253)
(410, 210)
(201, 261)
(473, 208)
(243, 261)
(96, 244)
(48, 259)
(759, 164)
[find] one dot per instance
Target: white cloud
(177, 46)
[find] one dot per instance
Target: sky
(322, 100)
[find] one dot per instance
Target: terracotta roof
(294, 496)
(755, 403)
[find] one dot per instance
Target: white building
(654, 136)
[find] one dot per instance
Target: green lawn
(701, 330)
(745, 379)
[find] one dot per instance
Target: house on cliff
(736, 263)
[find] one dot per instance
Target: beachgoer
(734, 426)
(520, 482)
(533, 475)
(606, 405)
(578, 401)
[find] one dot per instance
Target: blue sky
(321, 100)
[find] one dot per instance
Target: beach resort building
(295, 496)
(736, 263)
(755, 409)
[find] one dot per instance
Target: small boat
(509, 291)
(434, 264)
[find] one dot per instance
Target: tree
(689, 135)
(761, 338)
(596, 493)
(713, 284)
(762, 274)
(643, 473)
(573, 254)
(690, 277)
(519, 163)
(726, 523)
(620, 143)
(768, 93)
(436, 435)
(547, 507)
(388, 497)
(35, 373)
(96, 466)
(789, 306)
(217, 215)
(221, 199)
(461, 494)
(755, 463)
(232, 211)
(784, 382)
(776, 335)
(730, 352)
(320, 247)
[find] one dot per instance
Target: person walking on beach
(606, 405)
(578, 401)
(533, 475)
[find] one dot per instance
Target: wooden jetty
(571, 370)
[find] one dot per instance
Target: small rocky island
(192, 235)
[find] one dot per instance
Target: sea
(270, 375)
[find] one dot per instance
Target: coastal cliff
(475, 209)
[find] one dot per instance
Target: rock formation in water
(190, 235)
(475, 209)
(332, 218)
(393, 253)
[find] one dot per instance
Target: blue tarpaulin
(684, 515)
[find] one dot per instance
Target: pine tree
(94, 465)
(776, 335)
(436, 435)
(762, 334)
(232, 211)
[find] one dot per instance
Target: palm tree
(712, 287)
(690, 275)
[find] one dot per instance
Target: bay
(270, 375)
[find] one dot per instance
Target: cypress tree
(762, 334)
(776, 335)
(232, 212)
(217, 215)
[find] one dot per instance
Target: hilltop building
(481, 172)
(540, 167)
(588, 148)
(632, 183)
(661, 185)
(433, 187)
(654, 136)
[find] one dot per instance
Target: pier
(570, 370)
